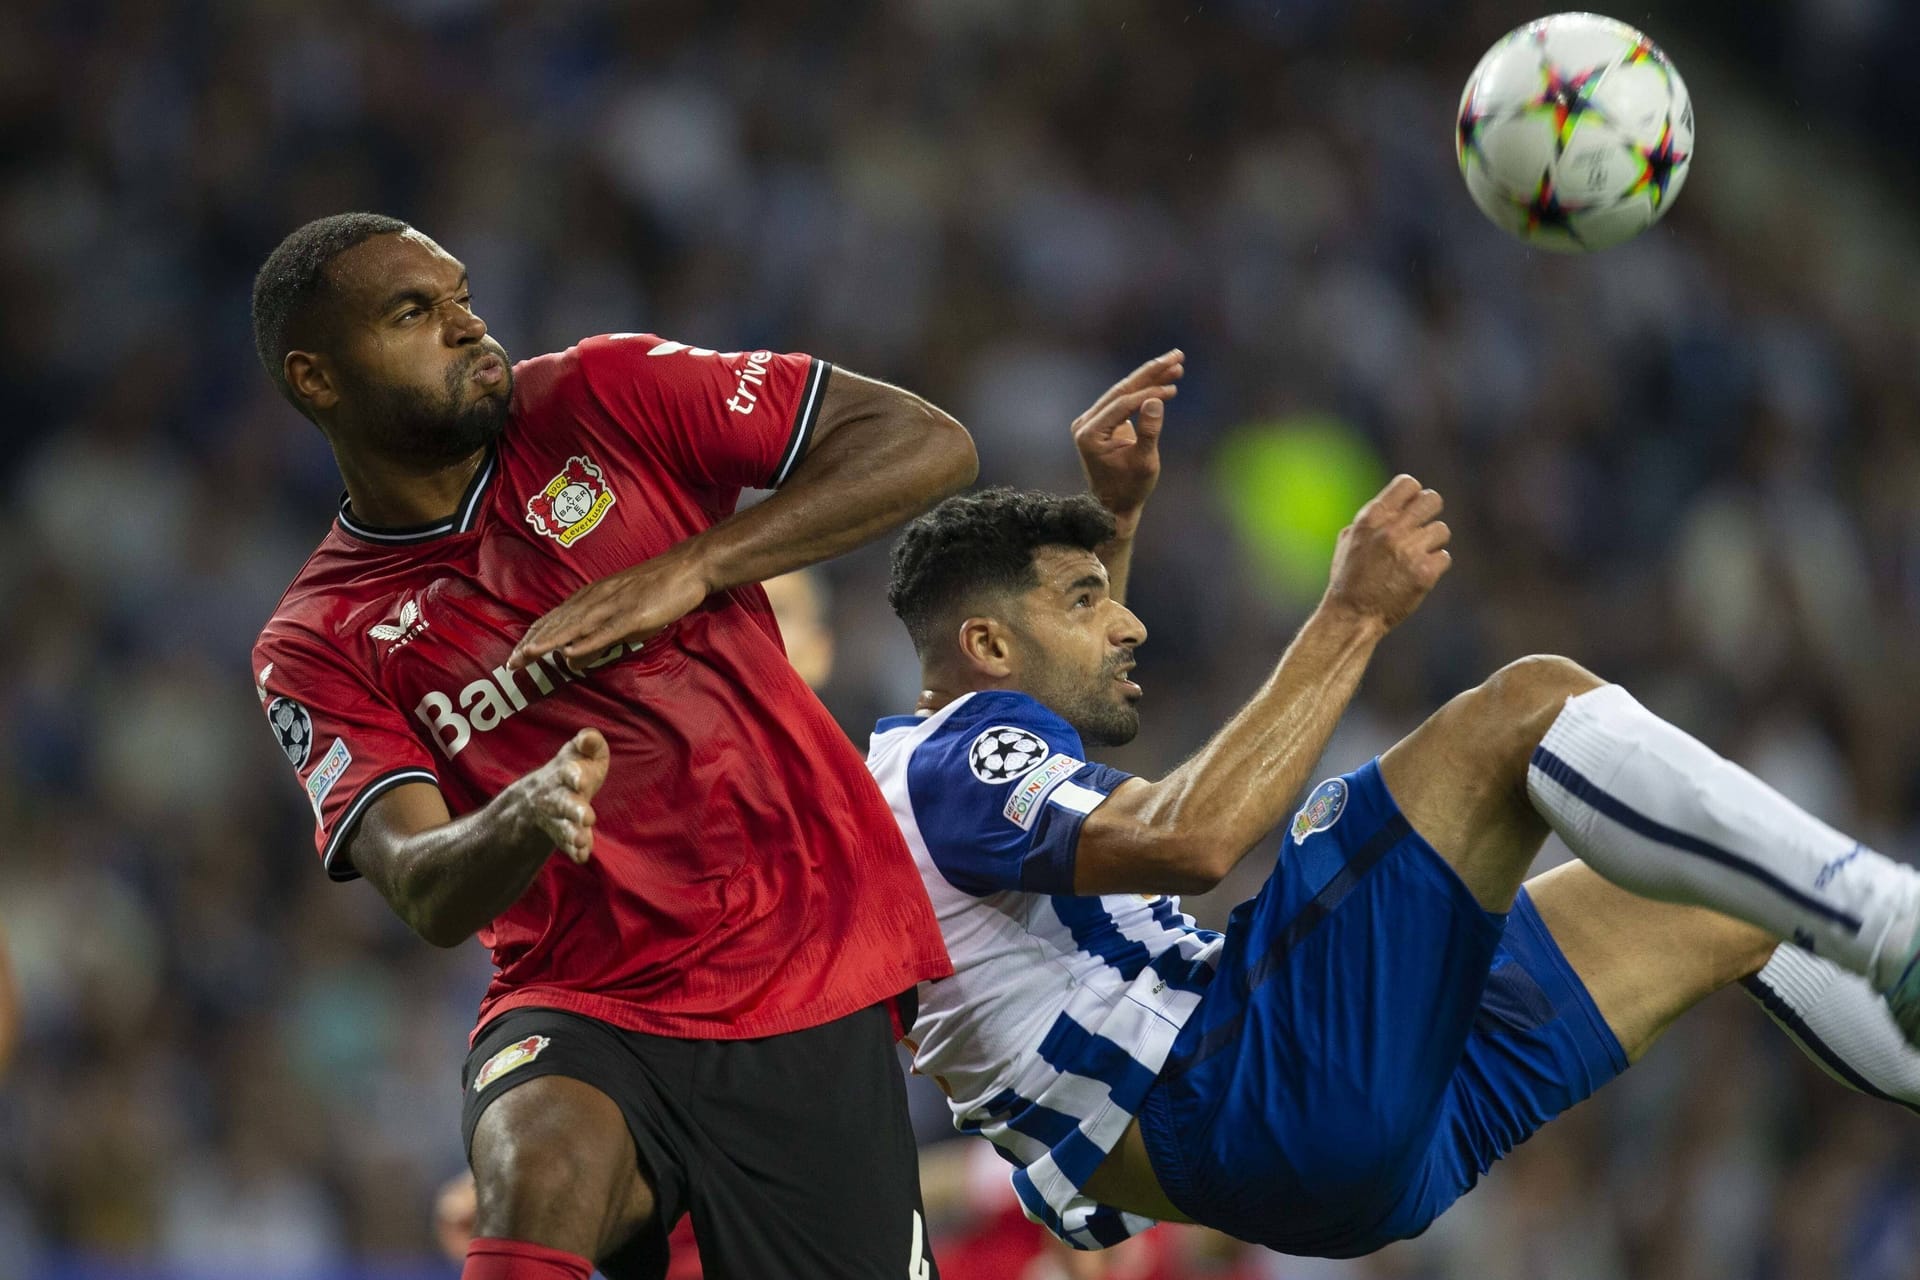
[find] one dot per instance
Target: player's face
(1074, 643)
(420, 380)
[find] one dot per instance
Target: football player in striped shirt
(1395, 1009)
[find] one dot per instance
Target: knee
(1517, 704)
(521, 1175)
(538, 1178)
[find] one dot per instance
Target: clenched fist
(1391, 555)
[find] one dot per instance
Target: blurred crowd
(1691, 463)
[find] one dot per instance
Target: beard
(1095, 708)
(430, 429)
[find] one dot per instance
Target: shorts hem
(1164, 1156)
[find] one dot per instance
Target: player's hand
(633, 606)
(1391, 555)
(557, 798)
(455, 1208)
(1119, 436)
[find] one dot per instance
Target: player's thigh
(552, 1109)
(810, 1170)
(1644, 963)
(1461, 777)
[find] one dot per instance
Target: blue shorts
(1371, 1043)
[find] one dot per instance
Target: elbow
(958, 462)
(1199, 871)
(433, 921)
(1193, 858)
(438, 930)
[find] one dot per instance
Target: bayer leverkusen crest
(572, 503)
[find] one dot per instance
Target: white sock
(1655, 812)
(1840, 1022)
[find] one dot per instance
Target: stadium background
(1691, 463)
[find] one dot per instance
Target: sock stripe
(1797, 1027)
(1581, 788)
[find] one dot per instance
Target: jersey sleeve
(1000, 798)
(716, 419)
(347, 743)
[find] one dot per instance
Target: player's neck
(391, 496)
(932, 699)
(936, 691)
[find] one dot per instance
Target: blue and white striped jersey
(1061, 1009)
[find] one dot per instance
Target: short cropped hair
(293, 283)
(983, 542)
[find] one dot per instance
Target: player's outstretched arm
(1184, 833)
(879, 456)
(447, 877)
(1118, 440)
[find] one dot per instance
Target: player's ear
(311, 379)
(986, 647)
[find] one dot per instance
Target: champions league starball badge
(1003, 753)
(292, 727)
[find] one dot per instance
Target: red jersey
(747, 878)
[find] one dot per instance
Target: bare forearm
(1116, 553)
(871, 475)
(1215, 807)
(450, 880)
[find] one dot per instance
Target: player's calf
(1657, 813)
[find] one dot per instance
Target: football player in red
(534, 628)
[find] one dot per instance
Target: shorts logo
(1003, 753)
(1023, 802)
(1322, 810)
(572, 503)
(517, 1054)
(331, 766)
(293, 727)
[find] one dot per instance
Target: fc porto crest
(572, 503)
(1322, 809)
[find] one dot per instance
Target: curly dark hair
(293, 282)
(983, 542)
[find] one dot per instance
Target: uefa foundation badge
(1322, 809)
(572, 503)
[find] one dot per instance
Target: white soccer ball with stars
(1575, 133)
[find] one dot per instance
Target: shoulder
(539, 380)
(590, 367)
(996, 737)
(324, 595)
(623, 355)
(983, 713)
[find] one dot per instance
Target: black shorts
(793, 1153)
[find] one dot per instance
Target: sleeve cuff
(334, 859)
(801, 438)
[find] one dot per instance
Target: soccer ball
(1575, 133)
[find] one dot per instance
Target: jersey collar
(460, 521)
